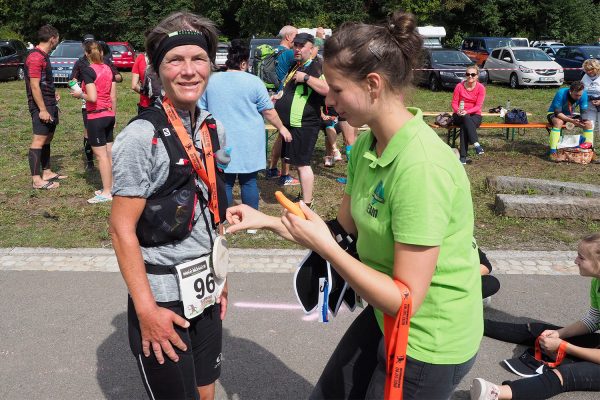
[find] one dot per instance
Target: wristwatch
(306, 78)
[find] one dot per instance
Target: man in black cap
(76, 74)
(304, 91)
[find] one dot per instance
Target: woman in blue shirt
(240, 101)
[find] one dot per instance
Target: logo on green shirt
(376, 197)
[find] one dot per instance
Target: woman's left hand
(312, 232)
(550, 344)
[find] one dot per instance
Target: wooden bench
(453, 129)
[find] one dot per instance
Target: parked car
(63, 58)
(479, 48)
(523, 66)
(221, 57)
(12, 59)
(255, 42)
(550, 49)
(123, 54)
(449, 67)
(519, 42)
(573, 57)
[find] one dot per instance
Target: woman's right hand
(158, 334)
(242, 217)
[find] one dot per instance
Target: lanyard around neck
(298, 65)
(208, 174)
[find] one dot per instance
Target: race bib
(198, 286)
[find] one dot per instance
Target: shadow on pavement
(252, 372)
(117, 374)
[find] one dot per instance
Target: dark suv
(63, 59)
(573, 57)
(445, 68)
(12, 59)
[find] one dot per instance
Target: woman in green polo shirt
(408, 201)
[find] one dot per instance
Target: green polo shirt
(418, 193)
(595, 294)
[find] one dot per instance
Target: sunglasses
(473, 75)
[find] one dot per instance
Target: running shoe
(328, 161)
(479, 150)
(271, 173)
(465, 160)
(288, 180)
(342, 180)
(337, 155)
(484, 390)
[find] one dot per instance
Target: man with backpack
(285, 60)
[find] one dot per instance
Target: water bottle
(461, 106)
(74, 86)
(223, 157)
(507, 105)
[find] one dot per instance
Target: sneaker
(271, 173)
(337, 155)
(484, 390)
(328, 161)
(465, 160)
(479, 150)
(288, 180)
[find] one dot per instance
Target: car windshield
(495, 43)
(450, 57)
(531, 55)
(68, 51)
(519, 42)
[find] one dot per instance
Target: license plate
(544, 79)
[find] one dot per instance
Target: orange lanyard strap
(208, 174)
(560, 355)
(395, 334)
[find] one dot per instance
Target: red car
(123, 54)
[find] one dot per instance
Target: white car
(523, 66)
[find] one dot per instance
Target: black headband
(175, 39)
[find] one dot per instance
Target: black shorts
(84, 116)
(100, 131)
(299, 151)
(43, 128)
(199, 365)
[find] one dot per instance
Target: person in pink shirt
(138, 73)
(466, 106)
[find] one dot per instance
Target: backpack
(151, 87)
(515, 116)
(265, 65)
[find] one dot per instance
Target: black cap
(304, 37)
(88, 37)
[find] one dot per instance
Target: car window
(493, 43)
(592, 52)
(575, 53)
(519, 42)
(118, 48)
(1, 51)
(562, 53)
(506, 53)
(530, 55)
(496, 53)
(8, 51)
(450, 57)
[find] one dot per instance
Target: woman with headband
(168, 202)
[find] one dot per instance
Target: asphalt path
(64, 335)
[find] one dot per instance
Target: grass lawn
(63, 218)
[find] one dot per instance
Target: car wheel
(434, 83)
(20, 73)
(514, 81)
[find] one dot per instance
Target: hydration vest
(169, 213)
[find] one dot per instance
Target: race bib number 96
(197, 286)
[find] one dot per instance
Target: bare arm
(36, 91)
(575, 329)
(319, 85)
(272, 116)
(135, 82)
(113, 96)
(90, 93)
(592, 355)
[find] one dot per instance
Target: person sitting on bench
(561, 112)
(466, 106)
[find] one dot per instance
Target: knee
(557, 123)
(588, 124)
